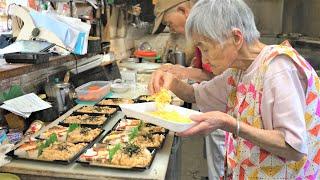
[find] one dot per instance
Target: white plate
(141, 111)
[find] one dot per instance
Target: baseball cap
(160, 8)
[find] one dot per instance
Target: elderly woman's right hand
(160, 79)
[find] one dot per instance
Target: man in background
(174, 14)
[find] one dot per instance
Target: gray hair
(215, 19)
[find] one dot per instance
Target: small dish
(118, 86)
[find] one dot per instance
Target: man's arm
(198, 75)
(191, 73)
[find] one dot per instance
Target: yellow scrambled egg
(163, 98)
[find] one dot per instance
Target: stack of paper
(25, 105)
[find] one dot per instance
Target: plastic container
(93, 91)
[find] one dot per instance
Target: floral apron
(247, 160)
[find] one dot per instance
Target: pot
(62, 94)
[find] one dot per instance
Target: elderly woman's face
(221, 57)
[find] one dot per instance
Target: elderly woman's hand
(207, 122)
(160, 79)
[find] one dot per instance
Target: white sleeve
(283, 102)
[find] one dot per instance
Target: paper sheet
(25, 105)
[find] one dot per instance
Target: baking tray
(99, 114)
(98, 104)
(108, 117)
(73, 159)
(93, 164)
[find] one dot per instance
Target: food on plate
(49, 150)
(152, 129)
(74, 133)
(83, 134)
(146, 98)
(115, 137)
(90, 96)
(34, 127)
(85, 119)
(171, 116)
(142, 139)
(61, 151)
(93, 93)
(125, 155)
(133, 156)
(60, 131)
(97, 109)
(127, 124)
(28, 150)
(149, 140)
(93, 88)
(115, 102)
(162, 98)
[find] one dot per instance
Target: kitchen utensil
(145, 46)
(66, 77)
(94, 45)
(180, 58)
(62, 94)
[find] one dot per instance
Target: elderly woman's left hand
(207, 122)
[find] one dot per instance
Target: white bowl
(140, 111)
(119, 87)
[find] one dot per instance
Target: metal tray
(95, 164)
(73, 159)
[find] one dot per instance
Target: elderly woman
(266, 98)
